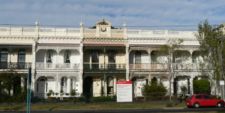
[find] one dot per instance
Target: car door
(207, 100)
(212, 101)
(200, 100)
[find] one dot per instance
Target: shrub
(201, 86)
(154, 91)
(50, 93)
(73, 92)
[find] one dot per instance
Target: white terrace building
(55, 55)
(62, 58)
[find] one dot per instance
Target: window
(67, 56)
(111, 56)
(21, 58)
(4, 55)
(63, 84)
(138, 57)
(111, 60)
(94, 56)
(49, 56)
(198, 97)
(94, 59)
(206, 96)
(4, 58)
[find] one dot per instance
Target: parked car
(204, 100)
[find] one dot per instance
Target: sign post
(124, 91)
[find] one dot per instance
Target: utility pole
(28, 90)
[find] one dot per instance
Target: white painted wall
(75, 57)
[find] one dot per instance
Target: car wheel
(219, 105)
(196, 105)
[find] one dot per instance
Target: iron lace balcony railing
(100, 66)
(40, 65)
(151, 67)
(15, 65)
(165, 66)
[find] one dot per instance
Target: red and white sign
(124, 91)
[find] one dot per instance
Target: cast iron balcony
(41, 65)
(165, 67)
(15, 65)
(104, 67)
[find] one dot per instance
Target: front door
(41, 88)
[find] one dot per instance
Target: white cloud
(134, 12)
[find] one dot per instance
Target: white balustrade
(56, 66)
(43, 31)
(164, 67)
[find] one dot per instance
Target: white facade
(57, 58)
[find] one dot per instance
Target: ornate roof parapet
(103, 33)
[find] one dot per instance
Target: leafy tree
(210, 39)
(170, 48)
(10, 88)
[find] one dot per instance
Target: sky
(131, 12)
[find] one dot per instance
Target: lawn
(80, 106)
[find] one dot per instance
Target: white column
(114, 86)
(80, 78)
(68, 85)
(33, 70)
(57, 85)
(191, 85)
(22, 83)
(127, 62)
(105, 85)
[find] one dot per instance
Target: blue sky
(132, 12)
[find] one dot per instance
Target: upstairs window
(49, 56)
(4, 56)
(111, 57)
(138, 57)
(21, 55)
(67, 56)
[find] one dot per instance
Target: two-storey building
(90, 60)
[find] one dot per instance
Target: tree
(169, 48)
(210, 41)
(10, 88)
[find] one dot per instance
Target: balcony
(165, 67)
(150, 67)
(104, 67)
(42, 66)
(15, 65)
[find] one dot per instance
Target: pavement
(164, 110)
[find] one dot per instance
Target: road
(186, 110)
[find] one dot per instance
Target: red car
(203, 100)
